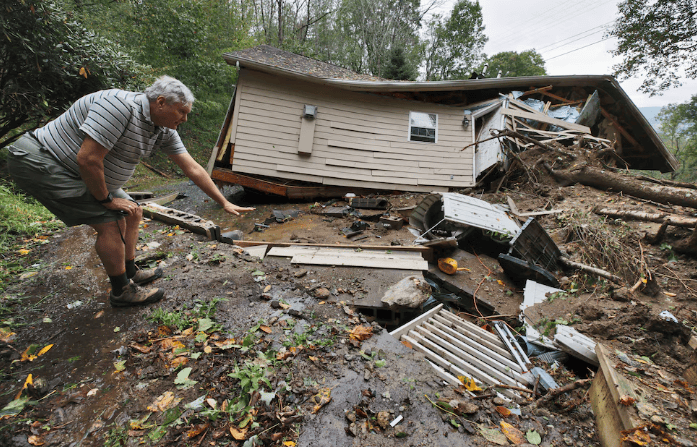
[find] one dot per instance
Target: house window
(423, 127)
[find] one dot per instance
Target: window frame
(435, 129)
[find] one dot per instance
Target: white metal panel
(477, 213)
(535, 293)
(489, 152)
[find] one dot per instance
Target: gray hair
(173, 90)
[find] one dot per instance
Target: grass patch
(23, 224)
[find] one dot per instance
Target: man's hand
(236, 210)
(124, 205)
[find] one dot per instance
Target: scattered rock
(411, 292)
(322, 293)
(468, 407)
(300, 273)
(296, 309)
(383, 419)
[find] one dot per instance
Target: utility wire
(547, 21)
(603, 26)
(589, 8)
(580, 48)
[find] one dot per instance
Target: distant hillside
(650, 114)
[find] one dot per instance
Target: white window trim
(409, 129)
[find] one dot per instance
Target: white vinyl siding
(358, 139)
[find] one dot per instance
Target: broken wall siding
(359, 139)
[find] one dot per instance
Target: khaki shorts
(40, 174)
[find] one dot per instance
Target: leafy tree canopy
(454, 45)
(512, 64)
(679, 131)
(48, 60)
(657, 40)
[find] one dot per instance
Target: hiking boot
(145, 276)
(133, 295)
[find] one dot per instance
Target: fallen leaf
(207, 349)
(533, 437)
(35, 440)
(503, 411)
(99, 314)
(627, 401)
(361, 333)
(6, 334)
(266, 329)
(670, 294)
(682, 383)
(225, 344)
(493, 435)
(44, 350)
(636, 435)
(29, 381)
(513, 434)
(238, 434)
(267, 288)
(321, 399)
(24, 251)
(469, 383)
(92, 392)
(140, 348)
(212, 402)
(248, 419)
(289, 443)
(197, 430)
(28, 354)
(179, 362)
(407, 344)
(171, 344)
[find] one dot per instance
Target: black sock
(118, 282)
(131, 268)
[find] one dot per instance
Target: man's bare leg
(110, 247)
(116, 240)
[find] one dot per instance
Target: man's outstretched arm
(200, 177)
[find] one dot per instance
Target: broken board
(576, 344)
(352, 257)
(191, 222)
(608, 387)
(257, 251)
(456, 347)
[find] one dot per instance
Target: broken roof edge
(524, 82)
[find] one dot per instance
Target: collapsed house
(302, 128)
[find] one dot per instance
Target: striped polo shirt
(118, 120)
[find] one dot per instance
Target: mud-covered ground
(250, 352)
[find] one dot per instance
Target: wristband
(108, 199)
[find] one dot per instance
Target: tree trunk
(670, 219)
(606, 180)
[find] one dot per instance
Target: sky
(559, 30)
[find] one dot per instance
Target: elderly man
(77, 164)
